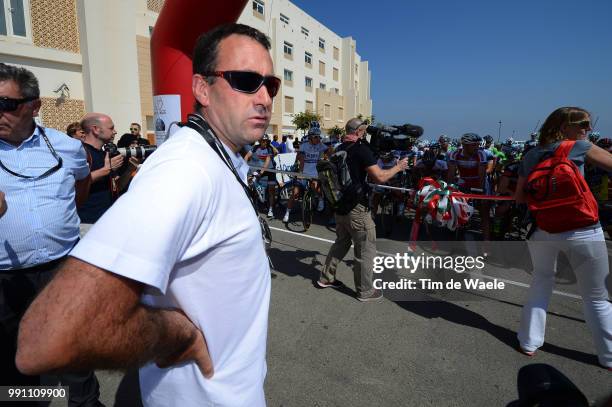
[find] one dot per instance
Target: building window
(259, 7)
(288, 50)
(322, 86)
(321, 44)
(322, 68)
(336, 53)
(284, 19)
(327, 111)
(308, 58)
(15, 18)
(340, 114)
(288, 75)
(288, 104)
(309, 106)
(308, 82)
(336, 74)
(305, 31)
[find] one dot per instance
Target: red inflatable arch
(179, 24)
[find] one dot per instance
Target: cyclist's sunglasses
(248, 82)
(10, 105)
(583, 124)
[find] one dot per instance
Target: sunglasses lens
(8, 105)
(272, 83)
(248, 82)
(585, 124)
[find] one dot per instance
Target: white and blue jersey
(312, 154)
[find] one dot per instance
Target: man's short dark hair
(27, 82)
(206, 49)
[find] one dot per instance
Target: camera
(388, 138)
(140, 152)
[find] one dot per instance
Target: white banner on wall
(166, 109)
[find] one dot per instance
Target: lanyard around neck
(197, 123)
(46, 173)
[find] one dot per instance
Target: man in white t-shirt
(174, 277)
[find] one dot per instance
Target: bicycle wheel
(307, 209)
(387, 215)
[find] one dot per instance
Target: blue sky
(462, 66)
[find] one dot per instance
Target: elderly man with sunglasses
(42, 173)
(184, 290)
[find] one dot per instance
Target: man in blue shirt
(43, 174)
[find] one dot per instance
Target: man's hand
(62, 329)
(197, 351)
(2, 204)
(402, 164)
(114, 163)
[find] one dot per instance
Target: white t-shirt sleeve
(148, 230)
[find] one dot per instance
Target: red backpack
(558, 195)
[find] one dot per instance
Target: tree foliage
(302, 120)
(336, 132)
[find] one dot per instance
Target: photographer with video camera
(354, 224)
(109, 175)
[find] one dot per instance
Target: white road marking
(511, 282)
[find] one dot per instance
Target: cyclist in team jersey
(468, 166)
(307, 157)
(444, 151)
(263, 156)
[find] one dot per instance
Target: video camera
(140, 152)
(387, 138)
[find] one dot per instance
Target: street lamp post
(499, 132)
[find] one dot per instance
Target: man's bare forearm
(63, 330)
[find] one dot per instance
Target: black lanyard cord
(46, 173)
(197, 123)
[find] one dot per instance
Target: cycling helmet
(314, 132)
(509, 141)
(444, 139)
(315, 129)
(470, 138)
(605, 143)
(265, 137)
(488, 138)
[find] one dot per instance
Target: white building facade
(94, 55)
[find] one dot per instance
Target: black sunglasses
(584, 124)
(248, 82)
(10, 105)
(133, 129)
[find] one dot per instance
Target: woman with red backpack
(551, 181)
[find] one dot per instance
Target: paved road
(327, 349)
